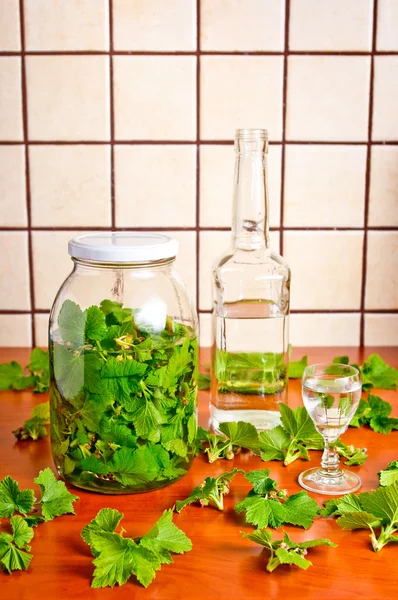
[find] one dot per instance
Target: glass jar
(123, 364)
(251, 293)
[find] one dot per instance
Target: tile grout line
(204, 311)
(197, 142)
(190, 142)
(367, 178)
(284, 113)
(27, 171)
(112, 117)
(386, 228)
(243, 53)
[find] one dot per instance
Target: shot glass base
(315, 480)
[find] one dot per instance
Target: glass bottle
(251, 293)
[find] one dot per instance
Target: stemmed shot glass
(331, 394)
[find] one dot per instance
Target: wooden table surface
(221, 565)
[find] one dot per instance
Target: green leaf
(377, 373)
(12, 499)
(12, 554)
(330, 508)
(38, 361)
(118, 557)
(71, 322)
(132, 467)
(211, 491)
(68, 371)
(9, 373)
(341, 360)
(240, 434)
(348, 503)
(383, 424)
(389, 475)
(94, 465)
(23, 383)
(273, 443)
(95, 326)
(145, 416)
(165, 535)
(358, 520)
(204, 381)
(262, 483)
(354, 456)
(120, 377)
(178, 364)
(290, 557)
(296, 368)
(260, 536)
(55, 500)
(383, 503)
(107, 520)
(22, 533)
(32, 429)
(262, 512)
(300, 509)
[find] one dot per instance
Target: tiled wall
(120, 114)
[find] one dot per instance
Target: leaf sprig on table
(268, 506)
(211, 491)
(12, 377)
(374, 412)
(285, 551)
(117, 558)
(55, 501)
(389, 475)
(34, 428)
(376, 510)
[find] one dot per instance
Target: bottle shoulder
(262, 259)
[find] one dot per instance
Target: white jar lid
(123, 246)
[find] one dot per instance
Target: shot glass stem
(330, 459)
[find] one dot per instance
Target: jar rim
(123, 247)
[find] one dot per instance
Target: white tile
(68, 97)
(70, 186)
(326, 268)
(71, 25)
(186, 260)
(155, 185)
(10, 30)
(387, 25)
(10, 99)
(41, 327)
(325, 25)
(154, 25)
(381, 330)
(155, 97)
(51, 264)
(205, 329)
(212, 245)
(12, 187)
(325, 329)
(216, 185)
(324, 186)
(15, 331)
(328, 98)
(383, 196)
(385, 100)
(381, 271)
(14, 271)
(242, 25)
(241, 92)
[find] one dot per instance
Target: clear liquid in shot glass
(331, 404)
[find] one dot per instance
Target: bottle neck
(250, 212)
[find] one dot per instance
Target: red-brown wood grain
(222, 565)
